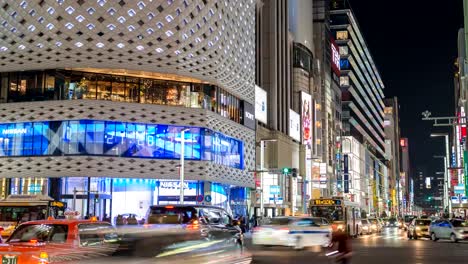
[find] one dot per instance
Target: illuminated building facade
(95, 95)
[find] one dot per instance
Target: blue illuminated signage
(121, 139)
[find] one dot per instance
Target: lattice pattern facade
(205, 39)
(93, 166)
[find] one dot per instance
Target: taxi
(295, 232)
(51, 241)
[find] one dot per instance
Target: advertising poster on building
(306, 115)
(294, 125)
(315, 175)
(260, 104)
(465, 164)
(248, 116)
(453, 177)
(335, 54)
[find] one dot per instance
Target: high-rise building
(97, 96)
(280, 126)
(392, 149)
(327, 54)
(404, 182)
(363, 108)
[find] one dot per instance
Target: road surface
(391, 246)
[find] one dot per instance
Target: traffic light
(429, 198)
(290, 171)
(294, 172)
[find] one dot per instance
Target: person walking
(344, 246)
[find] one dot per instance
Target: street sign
(276, 200)
(208, 198)
(455, 200)
(464, 200)
(275, 189)
(275, 171)
(459, 189)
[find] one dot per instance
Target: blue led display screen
(120, 139)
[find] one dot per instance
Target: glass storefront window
(118, 88)
(70, 85)
(104, 87)
(132, 89)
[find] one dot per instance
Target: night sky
(414, 45)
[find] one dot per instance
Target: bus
(342, 215)
(18, 208)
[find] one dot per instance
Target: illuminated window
(343, 50)
(342, 35)
(344, 81)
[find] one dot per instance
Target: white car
(296, 232)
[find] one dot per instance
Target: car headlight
(340, 227)
(418, 228)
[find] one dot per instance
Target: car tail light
(193, 225)
(43, 258)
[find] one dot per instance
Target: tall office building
(97, 95)
(392, 149)
(327, 54)
(363, 110)
(404, 183)
(282, 138)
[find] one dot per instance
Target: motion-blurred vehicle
(47, 241)
(392, 222)
(18, 208)
(454, 230)
(407, 220)
(366, 227)
(384, 222)
(376, 226)
(193, 222)
(341, 214)
(129, 219)
(401, 223)
(418, 228)
(296, 232)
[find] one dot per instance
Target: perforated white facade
(205, 39)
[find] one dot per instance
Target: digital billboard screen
(120, 139)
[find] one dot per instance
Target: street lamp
(181, 168)
(446, 167)
(262, 168)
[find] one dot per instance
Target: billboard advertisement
(335, 57)
(294, 125)
(346, 173)
(306, 115)
(248, 116)
(260, 104)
